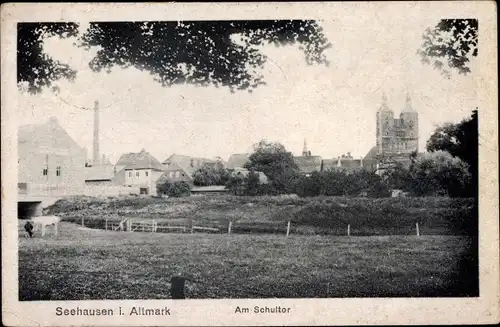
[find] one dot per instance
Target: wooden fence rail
(153, 226)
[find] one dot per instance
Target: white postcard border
(359, 311)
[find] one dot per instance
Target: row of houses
(308, 163)
(52, 163)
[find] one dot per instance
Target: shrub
(180, 189)
(210, 174)
(249, 185)
(341, 183)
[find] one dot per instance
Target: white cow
(44, 221)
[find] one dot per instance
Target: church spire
(304, 150)
(384, 106)
(408, 107)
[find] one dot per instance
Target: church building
(396, 138)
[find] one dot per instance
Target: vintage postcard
(220, 164)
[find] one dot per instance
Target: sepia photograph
(257, 158)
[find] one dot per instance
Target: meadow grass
(84, 264)
(318, 215)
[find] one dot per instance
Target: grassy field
(309, 216)
(81, 264)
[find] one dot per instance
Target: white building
(139, 170)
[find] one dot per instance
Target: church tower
(409, 122)
(385, 127)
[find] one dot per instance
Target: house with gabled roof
(139, 169)
(180, 168)
(238, 160)
(307, 163)
(243, 173)
(50, 162)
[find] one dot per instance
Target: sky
(332, 107)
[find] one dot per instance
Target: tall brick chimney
(95, 156)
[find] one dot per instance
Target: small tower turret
(305, 153)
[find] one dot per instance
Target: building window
(177, 174)
(147, 173)
(136, 174)
(171, 174)
(45, 171)
(58, 171)
(129, 174)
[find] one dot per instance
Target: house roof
(213, 188)
(329, 164)
(48, 136)
(238, 160)
(372, 154)
(140, 160)
(99, 173)
(244, 173)
(308, 164)
(350, 163)
(187, 163)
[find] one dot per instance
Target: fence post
(83, 221)
(230, 227)
(348, 230)
(418, 230)
(288, 228)
(106, 227)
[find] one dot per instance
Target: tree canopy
(219, 53)
(460, 140)
(210, 174)
(451, 44)
(34, 66)
(439, 173)
(275, 162)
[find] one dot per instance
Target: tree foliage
(439, 173)
(398, 177)
(174, 189)
(34, 66)
(248, 185)
(275, 162)
(210, 174)
(460, 140)
(451, 44)
(195, 52)
(341, 183)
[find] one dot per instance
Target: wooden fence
(159, 226)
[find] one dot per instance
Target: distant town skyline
(332, 107)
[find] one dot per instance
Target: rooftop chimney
(95, 157)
